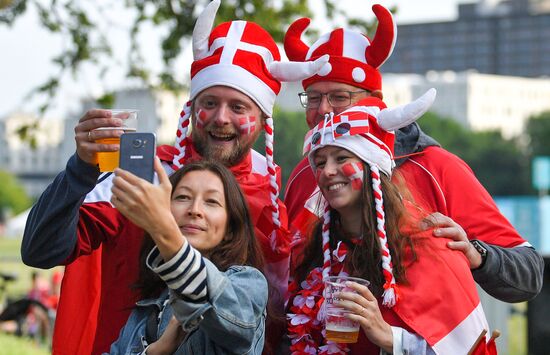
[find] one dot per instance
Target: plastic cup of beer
(108, 161)
(338, 328)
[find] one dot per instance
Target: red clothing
(97, 297)
(438, 181)
(439, 302)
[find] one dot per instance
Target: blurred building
(158, 112)
(493, 37)
(477, 101)
(34, 168)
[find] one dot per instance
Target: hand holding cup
(361, 307)
(97, 135)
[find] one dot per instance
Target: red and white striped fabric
(356, 129)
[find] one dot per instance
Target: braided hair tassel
(390, 294)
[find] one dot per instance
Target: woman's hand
(148, 206)
(364, 310)
(445, 227)
(169, 341)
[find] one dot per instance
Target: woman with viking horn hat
(422, 298)
(502, 262)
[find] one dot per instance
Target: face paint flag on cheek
(200, 116)
(354, 171)
(247, 125)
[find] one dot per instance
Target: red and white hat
(354, 59)
(243, 56)
(367, 130)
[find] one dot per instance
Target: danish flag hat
(354, 59)
(243, 56)
(367, 130)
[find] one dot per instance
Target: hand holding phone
(137, 154)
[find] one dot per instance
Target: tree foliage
(86, 27)
(499, 164)
(290, 129)
(12, 195)
(537, 131)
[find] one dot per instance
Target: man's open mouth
(225, 137)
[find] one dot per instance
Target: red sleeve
(299, 187)
(440, 181)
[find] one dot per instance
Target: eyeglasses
(337, 98)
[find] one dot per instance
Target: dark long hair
(238, 247)
(364, 259)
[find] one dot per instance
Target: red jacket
(438, 181)
(439, 302)
(97, 297)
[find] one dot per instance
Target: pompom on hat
(243, 56)
(354, 59)
(367, 130)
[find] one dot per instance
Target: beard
(227, 156)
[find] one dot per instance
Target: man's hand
(85, 136)
(445, 227)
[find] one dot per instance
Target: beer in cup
(108, 161)
(338, 328)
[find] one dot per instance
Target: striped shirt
(185, 273)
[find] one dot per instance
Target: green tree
(537, 131)
(86, 28)
(12, 195)
(290, 129)
(499, 163)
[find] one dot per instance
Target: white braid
(183, 127)
(389, 292)
(274, 192)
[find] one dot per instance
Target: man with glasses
(502, 262)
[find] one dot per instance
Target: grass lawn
(12, 345)
(10, 263)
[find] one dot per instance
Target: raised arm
(52, 228)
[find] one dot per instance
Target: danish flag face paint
(354, 171)
(247, 125)
(200, 117)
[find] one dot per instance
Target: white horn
(202, 29)
(296, 71)
(401, 116)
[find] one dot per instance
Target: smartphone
(137, 154)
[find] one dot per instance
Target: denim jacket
(232, 321)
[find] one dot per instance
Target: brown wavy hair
(238, 247)
(364, 259)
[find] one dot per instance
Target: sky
(28, 49)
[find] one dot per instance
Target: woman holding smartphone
(200, 280)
